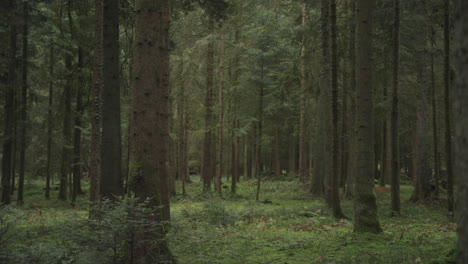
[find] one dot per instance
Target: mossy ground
(289, 226)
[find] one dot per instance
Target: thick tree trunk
(207, 171)
(150, 123)
(395, 177)
(111, 148)
(24, 103)
(447, 99)
(461, 128)
(95, 144)
(335, 176)
(366, 217)
(10, 83)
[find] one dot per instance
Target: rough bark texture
(208, 157)
(447, 99)
(150, 122)
(461, 128)
(111, 149)
(365, 205)
(395, 177)
(95, 145)
(24, 104)
(334, 181)
(9, 80)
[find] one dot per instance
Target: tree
(50, 122)
(219, 154)
(365, 206)
(334, 181)
(95, 145)
(461, 128)
(208, 155)
(448, 123)
(24, 103)
(150, 121)
(10, 84)
(395, 170)
(302, 102)
(322, 157)
(111, 148)
(67, 113)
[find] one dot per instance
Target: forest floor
(288, 226)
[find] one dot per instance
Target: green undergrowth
(288, 225)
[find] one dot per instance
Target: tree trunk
(461, 128)
(259, 164)
(207, 172)
(77, 169)
(95, 144)
(395, 177)
(448, 123)
(366, 217)
(150, 123)
(219, 156)
(111, 148)
(10, 83)
(334, 181)
(353, 136)
(322, 156)
(276, 151)
(49, 121)
(24, 103)
(435, 131)
(302, 103)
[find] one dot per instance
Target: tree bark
(334, 181)
(95, 144)
(77, 169)
(49, 121)
(207, 172)
(219, 156)
(302, 103)
(366, 217)
(395, 177)
(24, 103)
(111, 147)
(150, 123)
(322, 155)
(435, 130)
(10, 83)
(461, 127)
(447, 99)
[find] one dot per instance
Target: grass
(290, 227)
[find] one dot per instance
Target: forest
(233, 131)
